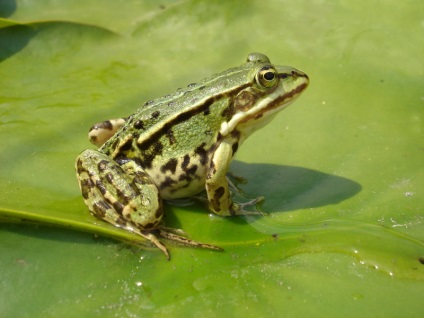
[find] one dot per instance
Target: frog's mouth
(285, 99)
(266, 108)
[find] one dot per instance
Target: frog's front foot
(240, 208)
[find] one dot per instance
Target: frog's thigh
(122, 195)
(216, 181)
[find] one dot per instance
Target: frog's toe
(173, 230)
(169, 234)
(241, 208)
(147, 234)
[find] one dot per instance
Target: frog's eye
(267, 77)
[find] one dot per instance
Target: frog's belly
(184, 183)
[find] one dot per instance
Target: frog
(181, 145)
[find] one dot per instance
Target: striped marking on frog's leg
(101, 132)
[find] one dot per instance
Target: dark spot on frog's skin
(259, 116)
(234, 147)
(207, 112)
(171, 137)
(212, 170)
(275, 236)
(216, 197)
(191, 85)
(235, 134)
(100, 208)
(139, 124)
(126, 145)
(185, 177)
(191, 171)
(118, 207)
(421, 260)
(146, 162)
(186, 162)
(123, 198)
(171, 165)
(102, 165)
(155, 114)
(203, 154)
(101, 187)
(107, 124)
(188, 172)
(158, 148)
(228, 112)
(149, 225)
(93, 139)
(140, 177)
(80, 168)
(109, 177)
(219, 193)
(148, 102)
(171, 103)
(201, 88)
(86, 186)
(167, 183)
(149, 154)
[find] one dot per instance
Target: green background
(342, 169)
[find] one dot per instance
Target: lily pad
(341, 169)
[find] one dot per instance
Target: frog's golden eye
(267, 77)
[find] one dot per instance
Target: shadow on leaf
(289, 188)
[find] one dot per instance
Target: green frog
(181, 144)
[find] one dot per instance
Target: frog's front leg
(217, 188)
(121, 194)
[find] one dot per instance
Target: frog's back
(179, 123)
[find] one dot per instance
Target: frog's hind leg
(121, 194)
(101, 132)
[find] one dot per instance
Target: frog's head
(269, 89)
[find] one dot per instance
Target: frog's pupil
(269, 76)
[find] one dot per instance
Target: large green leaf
(342, 170)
